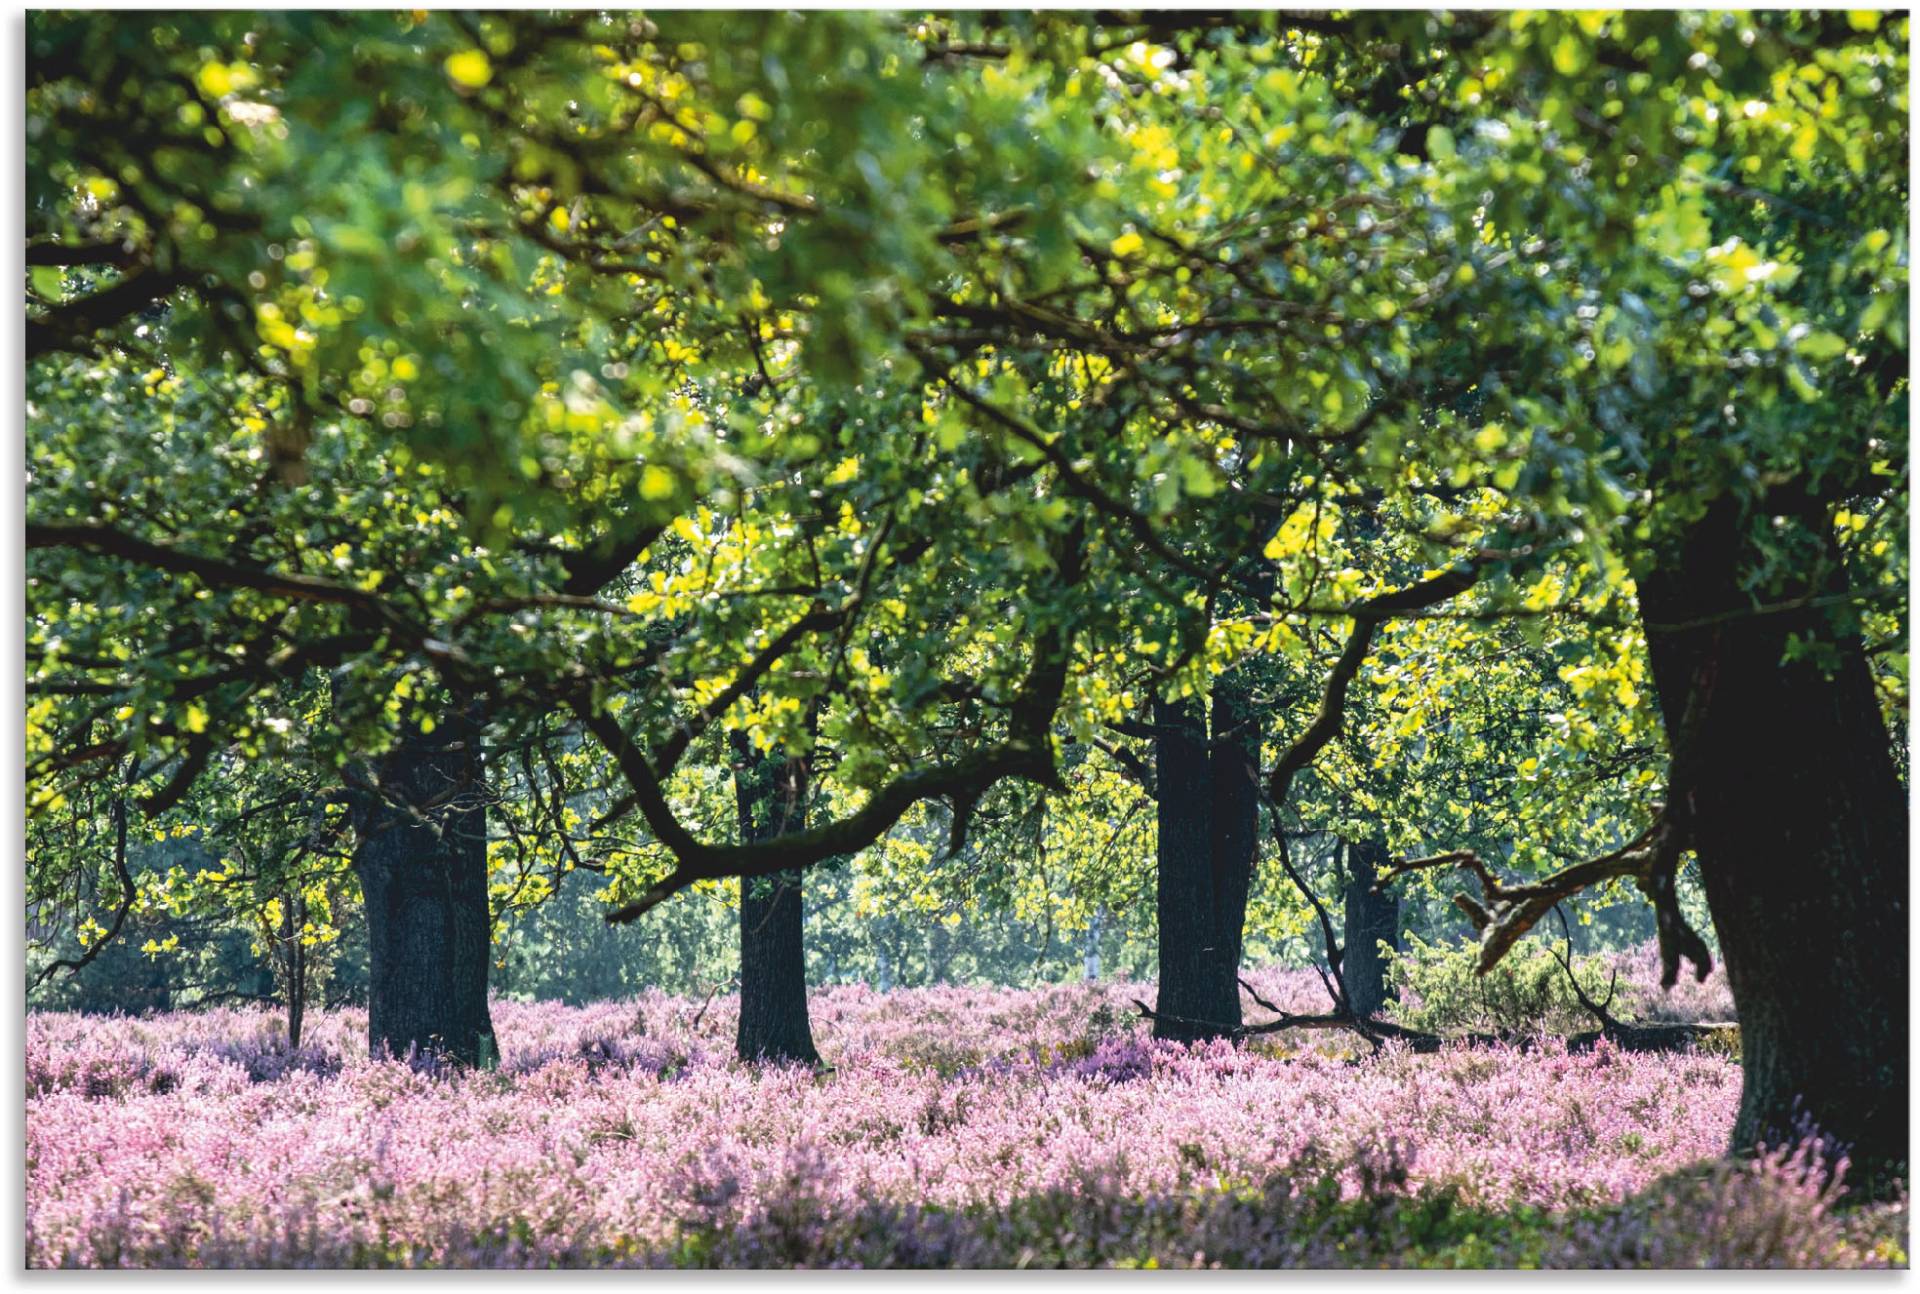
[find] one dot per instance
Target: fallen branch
(1344, 1018)
(706, 1002)
(1374, 1031)
(1627, 1037)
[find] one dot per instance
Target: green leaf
(1821, 345)
(50, 282)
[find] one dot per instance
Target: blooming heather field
(959, 1127)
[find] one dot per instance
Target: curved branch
(1651, 860)
(118, 543)
(1368, 616)
(65, 326)
(1026, 752)
(76, 964)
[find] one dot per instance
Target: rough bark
(1784, 775)
(1234, 766)
(422, 862)
(1371, 919)
(770, 793)
(1199, 997)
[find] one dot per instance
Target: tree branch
(214, 570)
(1650, 860)
(1026, 752)
(76, 964)
(64, 326)
(1367, 616)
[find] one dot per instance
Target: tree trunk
(882, 962)
(1199, 997)
(1783, 769)
(293, 956)
(1234, 765)
(1371, 919)
(770, 793)
(422, 863)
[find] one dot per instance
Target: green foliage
(1527, 994)
(958, 383)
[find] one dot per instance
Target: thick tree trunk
(1234, 765)
(1199, 996)
(422, 863)
(1783, 769)
(771, 795)
(1371, 919)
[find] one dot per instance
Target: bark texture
(1194, 1002)
(1784, 773)
(1209, 807)
(422, 863)
(770, 793)
(1234, 765)
(1371, 919)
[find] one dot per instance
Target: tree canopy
(927, 394)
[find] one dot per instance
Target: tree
(1786, 781)
(1207, 792)
(1199, 997)
(1372, 920)
(935, 385)
(421, 858)
(1748, 470)
(772, 796)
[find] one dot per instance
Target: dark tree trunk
(770, 793)
(1234, 766)
(1199, 996)
(422, 863)
(1371, 919)
(294, 955)
(1784, 770)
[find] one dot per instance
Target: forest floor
(957, 1127)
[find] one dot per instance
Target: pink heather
(959, 1126)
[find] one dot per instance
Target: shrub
(1526, 995)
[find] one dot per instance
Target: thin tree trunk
(293, 955)
(1371, 919)
(1091, 946)
(941, 952)
(883, 963)
(771, 793)
(422, 863)
(1783, 769)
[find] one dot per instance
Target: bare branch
(1651, 860)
